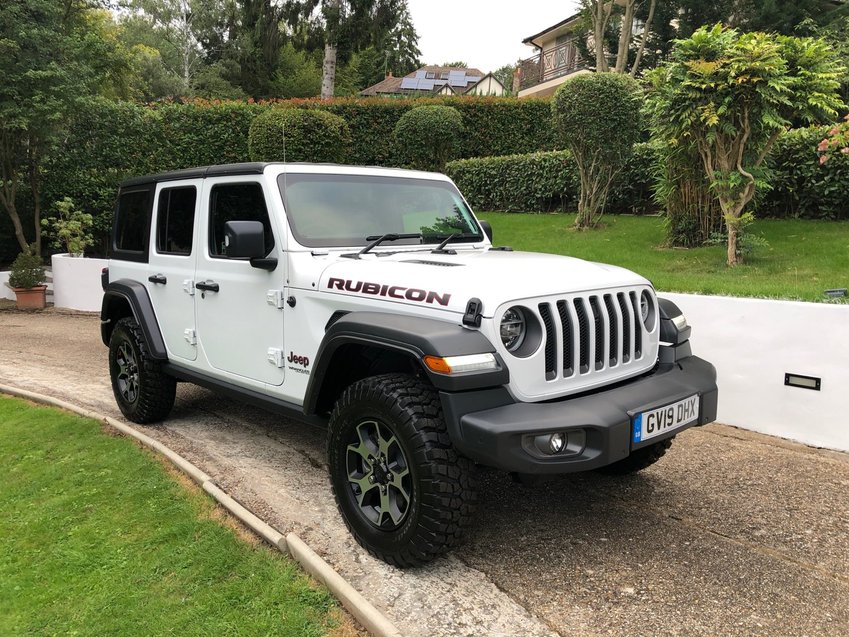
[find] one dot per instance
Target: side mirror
(244, 239)
(487, 229)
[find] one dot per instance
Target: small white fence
(754, 343)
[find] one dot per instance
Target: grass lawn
(99, 539)
(803, 258)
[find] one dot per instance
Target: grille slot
(599, 329)
(550, 341)
(614, 330)
(638, 334)
(626, 327)
(568, 339)
(584, 336)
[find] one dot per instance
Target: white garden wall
(754, 342)
(76, 282)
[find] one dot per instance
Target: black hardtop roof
(247, 168)
(225, 170)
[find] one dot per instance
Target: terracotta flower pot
(31, 298)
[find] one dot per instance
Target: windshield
(343, 210)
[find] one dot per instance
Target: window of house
(131, 221)
(236, 202)
(430, 75)
(443, 75)
(175, 220)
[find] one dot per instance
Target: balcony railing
(548, 65)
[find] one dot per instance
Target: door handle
(207, 286)
(157, 278)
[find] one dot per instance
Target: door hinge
(275, 357)
(275, 298)
(189, 287)
(191, 336)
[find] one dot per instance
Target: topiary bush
(310, 135)
(27, 270)
(597, 116)
(427, 137)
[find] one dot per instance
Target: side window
(131, 221)
(175, 220)
(236, 202)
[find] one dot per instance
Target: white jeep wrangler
(372, 301)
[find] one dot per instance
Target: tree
(730, 95)
(53, 59)
(598, 119)
(622, 14)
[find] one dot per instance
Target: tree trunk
(625, 37)
(733, 256)
(35, 188)
(12, 211)
(646, 31)
(328, 72)
(601, 13)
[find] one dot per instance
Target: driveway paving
(732, 533)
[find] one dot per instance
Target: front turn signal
(459, 364)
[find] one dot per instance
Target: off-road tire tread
(638, 460)
(448, 507)
(157, 390)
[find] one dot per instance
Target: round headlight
(513, 328)
(647, 310)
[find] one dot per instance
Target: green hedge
(549, 181)
(299, 134)
(801, 186)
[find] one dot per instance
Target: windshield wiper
(376, 240)
(440, 249)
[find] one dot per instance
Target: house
(437, 80)
(557, 58)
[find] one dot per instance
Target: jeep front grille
(593, 334)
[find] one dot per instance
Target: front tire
(144, 392)
(403, 491)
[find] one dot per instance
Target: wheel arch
(126, 297)
(362, 344)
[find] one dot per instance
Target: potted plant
(26, 278)
(76, 280)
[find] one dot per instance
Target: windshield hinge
(474, 313)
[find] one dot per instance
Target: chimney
(388, 74)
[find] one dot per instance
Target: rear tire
(403, 491)
(144, 393)
(639, 459)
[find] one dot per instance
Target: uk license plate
(653, 423)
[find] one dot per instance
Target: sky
(486, 34)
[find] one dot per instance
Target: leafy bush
(597, 116)
(297, 134)
(27, 270)
(70, 228)
(428, 136)
(801, 185)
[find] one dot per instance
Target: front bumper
(491, 429)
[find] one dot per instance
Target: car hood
(448, 281)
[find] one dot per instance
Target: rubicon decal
(392, 291)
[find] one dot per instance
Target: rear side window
(175, 220)
(236, 202)
(131, 221)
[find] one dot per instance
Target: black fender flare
(414, 336)
(669, 333)
(135, 295)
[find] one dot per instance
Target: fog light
(557, 442)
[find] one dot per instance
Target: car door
(239, 307)
(171, 265)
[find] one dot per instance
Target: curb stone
(370, 617)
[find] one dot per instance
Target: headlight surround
(514, 327)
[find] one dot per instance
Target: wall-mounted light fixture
(805, 382)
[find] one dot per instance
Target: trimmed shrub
(297, 134)
(538, 182)
(597, 116)
(428, 136)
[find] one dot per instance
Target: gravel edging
(369, 617)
